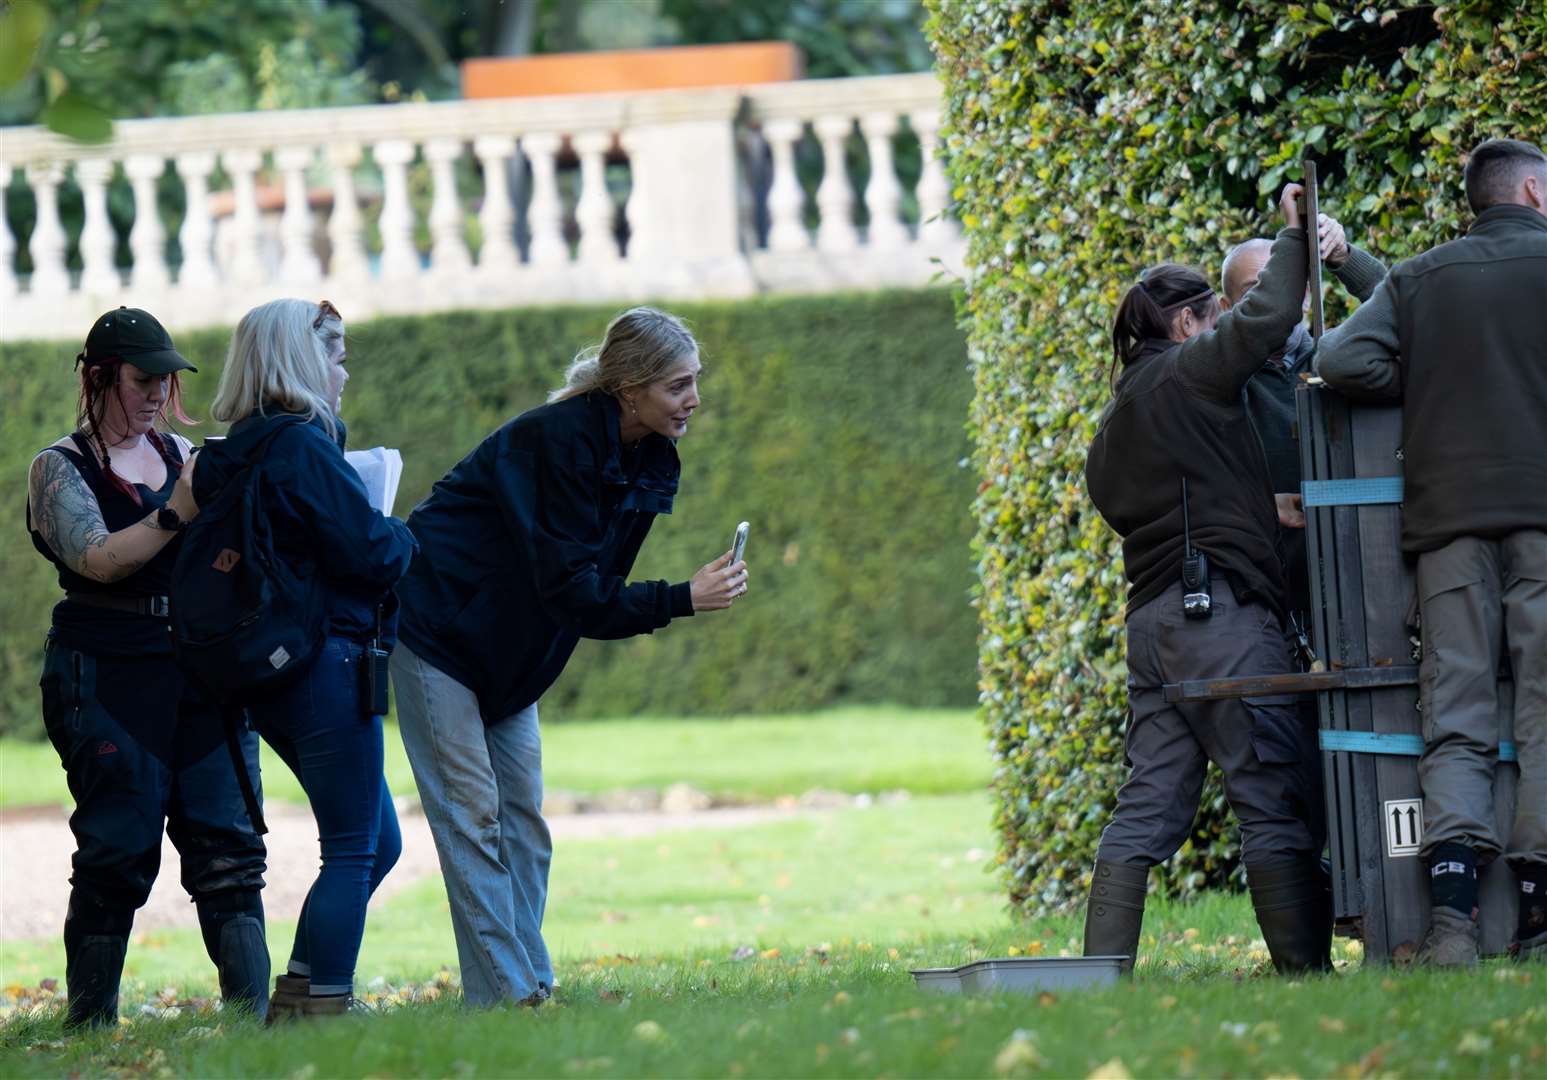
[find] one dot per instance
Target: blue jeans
(318, 726)
(482, 791)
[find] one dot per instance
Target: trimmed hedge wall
(833, 424)
(1087, 141)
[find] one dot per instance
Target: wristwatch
(166, 518)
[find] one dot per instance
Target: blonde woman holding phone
(525, 548)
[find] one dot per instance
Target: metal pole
(1313, 243)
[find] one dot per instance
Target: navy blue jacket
(321, 516)
(524, 548)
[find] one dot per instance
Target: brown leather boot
(332, 1005)
(291, 992)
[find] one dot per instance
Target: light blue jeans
(481, 786)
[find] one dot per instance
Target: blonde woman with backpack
(286, 367)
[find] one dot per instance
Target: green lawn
(874, 748)
(826, 915)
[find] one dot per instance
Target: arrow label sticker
(1404, 827)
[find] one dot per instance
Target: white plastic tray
(1021, 974)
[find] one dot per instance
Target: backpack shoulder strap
(260, 449)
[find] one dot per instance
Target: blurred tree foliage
(77, 64)
(1085, 142)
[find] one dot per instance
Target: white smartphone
(739, 545)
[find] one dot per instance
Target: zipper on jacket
(75, 719)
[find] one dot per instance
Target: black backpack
(245, 622)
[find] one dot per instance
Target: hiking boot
(1450, 942)
(291, 992)
(1531, 950)
(1115, 912)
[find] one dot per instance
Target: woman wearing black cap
(105, 504)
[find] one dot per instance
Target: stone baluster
(545, 213)
(497, 217)
(594, 212)
(7, 241)
(97, 273)
(398, 257)
(246, 263)
(345, 233)
(786, 199)
(298, 261)
(835, 196)
(883, 193)
(148, 237)
(448, 253)
(934, 189)
(49, 274)
(197, 232)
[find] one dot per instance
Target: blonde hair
(640, 345)
(279, 358)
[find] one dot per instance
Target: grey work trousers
(1481, 600)
(1265, 747)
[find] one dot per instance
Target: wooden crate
(1362, 594)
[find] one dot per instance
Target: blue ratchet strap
(1381, 742)
(1369, 491)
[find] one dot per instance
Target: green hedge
(1087, 141)
(834, 425)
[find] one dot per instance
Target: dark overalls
(142, 753)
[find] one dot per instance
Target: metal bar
(1309, 682)
(1313, 246)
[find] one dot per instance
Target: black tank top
(104, 631)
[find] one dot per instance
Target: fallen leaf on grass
(769, 954)
(1332, 1025)
(1112, 1070)
(1018, 1055)
(1472, 1043)
(1373, 1059)
(587, 1064)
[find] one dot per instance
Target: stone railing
(493, 203)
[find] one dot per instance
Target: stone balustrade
(494, 203)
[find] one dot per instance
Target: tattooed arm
(65, 512)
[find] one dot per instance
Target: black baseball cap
(135, 336)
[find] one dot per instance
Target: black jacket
(1178, 413)
(1459, 335)
(1270, 403)
(525, 546)
(320, 515)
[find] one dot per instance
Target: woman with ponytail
(141, 752)
(525, 548)
(1178, 471)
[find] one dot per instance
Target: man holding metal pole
(1458, 334)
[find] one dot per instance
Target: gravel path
(35, 849)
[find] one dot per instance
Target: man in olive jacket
(1459, 335)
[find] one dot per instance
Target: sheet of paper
(380, 469)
